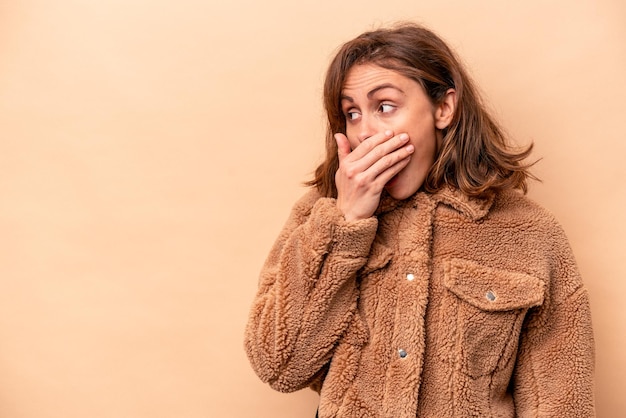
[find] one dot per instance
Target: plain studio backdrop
(150, 152)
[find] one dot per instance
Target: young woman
(415, 279)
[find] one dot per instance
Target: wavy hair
(473, 156)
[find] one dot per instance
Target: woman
(415, 279)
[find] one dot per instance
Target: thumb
(343, 146)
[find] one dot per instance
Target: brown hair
(474, 155)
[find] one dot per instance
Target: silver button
(490, 296)
(410, 277)
(402, 353)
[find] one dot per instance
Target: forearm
(307, 295)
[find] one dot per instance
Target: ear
(445, 110)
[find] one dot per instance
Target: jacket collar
(472, 207)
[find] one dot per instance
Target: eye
(386, 108)
(352, 115)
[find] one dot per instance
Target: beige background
(151, 150)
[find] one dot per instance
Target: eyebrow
(373, 91)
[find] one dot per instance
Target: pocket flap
(492, 289)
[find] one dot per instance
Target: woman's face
(375, 99)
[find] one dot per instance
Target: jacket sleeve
(555, 366)
(307, 293)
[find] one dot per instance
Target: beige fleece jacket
(438, 306)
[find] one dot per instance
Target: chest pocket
(491, 305)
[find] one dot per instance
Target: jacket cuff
(353, 237)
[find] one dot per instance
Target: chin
(400, 193)
(403, 186)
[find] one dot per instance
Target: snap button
(402, 353)
(410, 277)
(490, 296)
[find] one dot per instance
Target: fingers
(374, 162)
(364, 170)
(376, 153)
(365, 147)
(385, 151)
(390, 165)
(343, 146)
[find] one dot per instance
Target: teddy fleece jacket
(440, 305)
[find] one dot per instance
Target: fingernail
(410, 148)
(388, 132)
(404, 137)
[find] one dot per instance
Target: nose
(368, 126)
